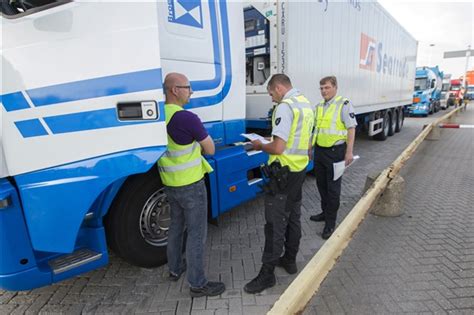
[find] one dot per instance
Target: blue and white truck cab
(427, 94)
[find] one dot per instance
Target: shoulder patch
(352, 115)
(277, 121)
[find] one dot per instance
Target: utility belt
(334, 147)
(277, 176)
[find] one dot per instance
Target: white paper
(340, 167)
(254, 136)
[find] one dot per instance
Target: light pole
(468, 54)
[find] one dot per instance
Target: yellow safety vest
(295, 155)
(329, 126)
(181, 165)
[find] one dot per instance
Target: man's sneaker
(264, 280)
(288, 265)
(318, 218)
(210, 289)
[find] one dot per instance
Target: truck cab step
(78, 258)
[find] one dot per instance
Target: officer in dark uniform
(292, 125)
(334, 135)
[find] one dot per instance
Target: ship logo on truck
(368, 47)
(186, 12)
(374, 57)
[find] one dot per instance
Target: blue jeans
(188, 211)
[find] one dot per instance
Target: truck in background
(445, 90)
(470, 85)
(427, 95)
(455, 92)
(83, 123)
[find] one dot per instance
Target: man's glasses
(184, 87)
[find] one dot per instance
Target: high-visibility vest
(329, 126)
(295, 155)
(181, 165)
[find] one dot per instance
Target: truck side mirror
(433, 83)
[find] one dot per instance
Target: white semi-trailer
(369, 52)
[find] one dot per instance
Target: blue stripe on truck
(31, 128)
(98, 87)
(91, 120)
(14, 101)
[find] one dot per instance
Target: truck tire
(138, 221)
(393, 124)
(381, 136)
(400, 120)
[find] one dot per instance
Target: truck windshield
(421, 84)
(470, 88)
(455, 87)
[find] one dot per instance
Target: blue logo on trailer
(186, 12)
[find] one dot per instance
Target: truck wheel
(400, 119)
(138, 221)
(381, 136)
(393, 124)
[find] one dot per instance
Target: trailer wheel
(400, 120)
(381, 136)
(138, 221)
(393, 124)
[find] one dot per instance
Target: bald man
(182, 171)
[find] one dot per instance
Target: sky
(446, 25)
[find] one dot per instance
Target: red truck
(455, 93)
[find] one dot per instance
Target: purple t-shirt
(185, 127)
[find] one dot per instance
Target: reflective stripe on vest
(181, 165)
(329, 126)
(182, 152)
(296, 151)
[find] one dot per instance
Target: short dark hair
(331, 79)
(279, 78)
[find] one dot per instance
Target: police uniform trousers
(282, 220)
(329, 189)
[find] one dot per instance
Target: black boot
(288, 264)
(264, 280)
(327, 231)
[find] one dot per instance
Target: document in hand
(254, 136)
(339, 167)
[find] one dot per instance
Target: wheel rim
(155, 219)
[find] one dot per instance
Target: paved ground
(234, 250)
(423, 261)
